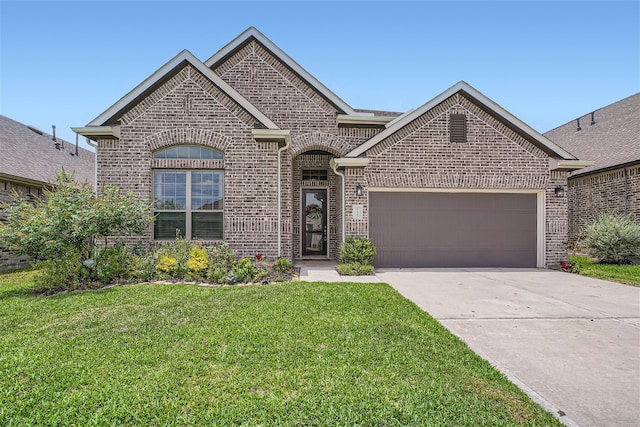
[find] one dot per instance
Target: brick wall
(189, 109)
(293, 105)
(9, 260)
(494, 157)
(614, 191)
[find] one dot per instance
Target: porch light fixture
(358, 190)
(559, 191)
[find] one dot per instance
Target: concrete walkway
(570, 342)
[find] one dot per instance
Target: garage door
(453, 229)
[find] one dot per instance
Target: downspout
(95, 164)
(287, 145)
(334, 166)
(626, 191)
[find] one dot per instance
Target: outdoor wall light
(358, 190)
(559, 191)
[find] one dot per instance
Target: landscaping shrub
(357, 250)
(282, 265)
(356, 256)
(166, 266)
(198, 262)
(613, 239)
(65, 227)
(221, 262)
(244, 270)
(355, 269)
(112, 263)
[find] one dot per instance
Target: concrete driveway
(570, 342)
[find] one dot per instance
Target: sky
(547, 62)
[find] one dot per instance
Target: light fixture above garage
(358, 190)
(559, 191)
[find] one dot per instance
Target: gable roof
(468, 91)
(252, 33)
(158, 78)
(612, 140)
(29, 155)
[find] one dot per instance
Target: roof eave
(351, 162)
(98, 132)
(568, 165)
(361, 119)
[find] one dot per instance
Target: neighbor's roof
(29, 155)
(613, 140)
(472, 93)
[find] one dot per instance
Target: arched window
(188, 152)
(190, 201)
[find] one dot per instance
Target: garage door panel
(453, 229)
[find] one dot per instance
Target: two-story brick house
(249, 148)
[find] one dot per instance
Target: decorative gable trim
(252, 32)
(165, 71)
(468, 91)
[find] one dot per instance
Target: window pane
(166, 224)
(206, 225)
(207, 190)
(169, 190)
(188, 152)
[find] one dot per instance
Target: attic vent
(457, 128)
(38, 131)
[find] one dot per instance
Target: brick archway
(179, 136)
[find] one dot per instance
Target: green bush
(359, 251)
(613, 239)
(355, 269)
(282, 265)
(67, 227)
(244, 270)
(112, 263)
(67, 270)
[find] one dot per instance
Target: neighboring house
(249, 148)
(610, 137)
(29, 161)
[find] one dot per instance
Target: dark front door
(314, 222)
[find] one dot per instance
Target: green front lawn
(287, 354)
(629, 274)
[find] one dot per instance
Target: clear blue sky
(547, 62)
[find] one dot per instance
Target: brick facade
(609, 137)
(186, 107)
(612, 191)
(9, 260)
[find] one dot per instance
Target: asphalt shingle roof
(613, 140)
(26, 154)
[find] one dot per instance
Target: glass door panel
(314, 222)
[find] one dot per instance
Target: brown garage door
(453, 229)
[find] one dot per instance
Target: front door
(314, 222)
